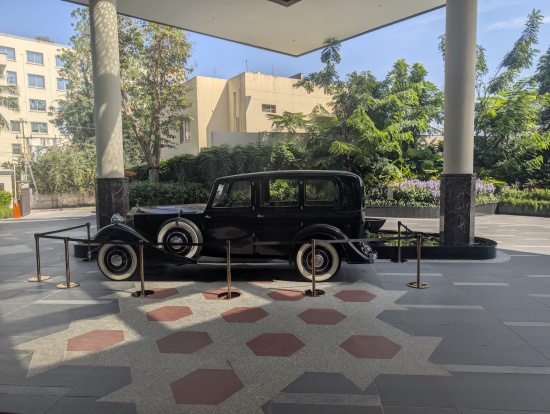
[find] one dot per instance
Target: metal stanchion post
(68, 284)
(399, 259)
(418, 284)
(39, 277)
(89, 256)
(229, 294)
(313, 292)
(313, 267)
(141, 292)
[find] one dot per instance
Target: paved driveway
(477, 341)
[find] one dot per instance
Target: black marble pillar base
(111, 196)
(457, 209)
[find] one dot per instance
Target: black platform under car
(285, 206)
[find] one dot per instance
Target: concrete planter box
(522, 211)
(62, 200)
(422, 212)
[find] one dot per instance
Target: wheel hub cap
(177, 240)
(319, 260)
(116, 260)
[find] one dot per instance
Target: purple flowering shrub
(414, 192)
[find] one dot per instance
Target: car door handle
(207, 217)
(260, 215)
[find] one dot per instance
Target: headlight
(117, 218)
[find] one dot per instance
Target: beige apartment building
(33, 66)
(233, 111)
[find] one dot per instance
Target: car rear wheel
(117, 262)
(327, 261)
(175, 233)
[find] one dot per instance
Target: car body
(252, 211)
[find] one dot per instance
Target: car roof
(293, 173)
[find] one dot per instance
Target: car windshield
(233, 194)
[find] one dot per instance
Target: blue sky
(500, 23)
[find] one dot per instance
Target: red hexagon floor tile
(355, 296)
(95, 340)
(372, 347)
(244, 315)
(162, 293)
(286, 295)
(183, 342)
(321, 316)
(169, 313)
(206, 386)
(215, 294)
(275, 344)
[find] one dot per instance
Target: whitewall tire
(327, 261)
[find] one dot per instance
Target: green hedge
(534, 204)
(5, 212)
(159, 194)
(5, 198)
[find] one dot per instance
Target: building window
(62, 84)
(11, 78)
(37, 105)
(39, 127)
(1, 186)
(185, 131)
(36, 81)
(13, 103)
(268, 108)
(16, 149)
(8, 51)
(15, 126)
(35, 57)
(58, 62)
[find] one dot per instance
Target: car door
(278, 216)
(229, 216)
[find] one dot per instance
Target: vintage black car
(286, 206)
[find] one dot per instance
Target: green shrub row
(537, 205)
(5, 212)
(215, 162)
(534, 194)
(159, 194)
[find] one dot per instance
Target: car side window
(281, 192)
(233, 194)
(321, 192)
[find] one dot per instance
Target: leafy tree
(542, 78)
(369, 123)
(153, 67)
(41, 38)
(508, 140)
(66, 169)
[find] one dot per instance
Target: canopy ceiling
(292, 27)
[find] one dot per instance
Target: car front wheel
(327, 261)
(117, 262)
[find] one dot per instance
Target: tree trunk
(154, 173)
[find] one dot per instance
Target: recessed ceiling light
(285, 3)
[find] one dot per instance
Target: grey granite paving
(476, 342)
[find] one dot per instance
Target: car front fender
(328, 232)
(128, 234)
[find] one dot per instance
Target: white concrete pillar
(111, 185)
(458, 182)
(460, 64)
(107, 98)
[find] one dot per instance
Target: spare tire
(174, 234)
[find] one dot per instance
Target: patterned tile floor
(476, 342)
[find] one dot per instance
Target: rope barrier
(237, 241)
